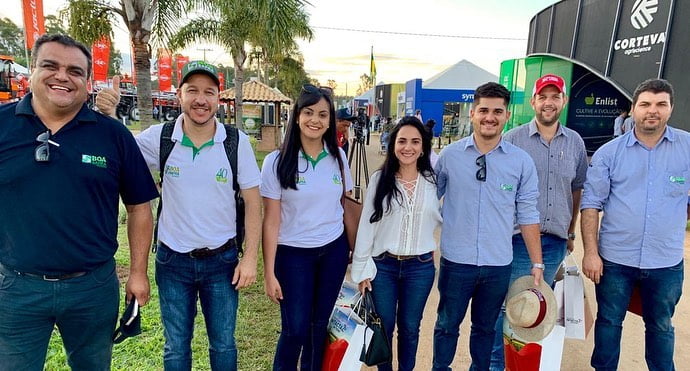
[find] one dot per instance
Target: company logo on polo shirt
(677, 179)
(336, 179)
(172, 171)
(222, 175)
(642, 12)
(506, 187)
(99, 161)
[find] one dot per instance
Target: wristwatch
(538, 265)
(571, 236)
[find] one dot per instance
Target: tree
(54, 25)
(146, 21)
(12, 41)
(115, 64)
(365, 83)
(332, 84)
(270, 24)
(291, 76)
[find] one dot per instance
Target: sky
(410, 39)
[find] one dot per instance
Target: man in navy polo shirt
(63, 169)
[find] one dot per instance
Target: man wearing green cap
(197, 252)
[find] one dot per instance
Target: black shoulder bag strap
(166, 147)
(231, 144)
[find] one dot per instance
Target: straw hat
(531, 311)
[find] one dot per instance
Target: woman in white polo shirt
(395, 241)
(305, 249)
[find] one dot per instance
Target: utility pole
(205, 50)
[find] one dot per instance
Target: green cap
(193, 67)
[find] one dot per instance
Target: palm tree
(88, 20)
(269, 24)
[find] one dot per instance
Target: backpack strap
(165, 148)
(231, 144)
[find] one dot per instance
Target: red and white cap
(547, 80)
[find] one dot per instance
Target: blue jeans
(84, 309)
(660, 291)
(310, 279)
(181, 279)
(553, 250)
(402, 287)
(457, 284)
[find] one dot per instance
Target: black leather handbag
(379, 349)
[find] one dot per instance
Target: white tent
(20, 69)
(463, 75)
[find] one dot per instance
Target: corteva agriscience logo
(99, 161)
(641, 17)
(642, 12)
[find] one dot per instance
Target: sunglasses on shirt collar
(42, 152)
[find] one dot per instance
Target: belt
(400, 257)
(53, 277)
(46, 277)
(205, 252)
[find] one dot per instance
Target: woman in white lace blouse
(395, 241)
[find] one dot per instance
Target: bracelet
(538, 265)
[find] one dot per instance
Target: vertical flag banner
(221, 77)
(372, 67)
(180, 61)
(100, 50)
(164, 70)
(34, 23)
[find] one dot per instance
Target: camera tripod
(358, 152)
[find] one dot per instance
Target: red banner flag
(180, 61)
(34, 23)
(100, 50)
(221, 77)
(164, 70)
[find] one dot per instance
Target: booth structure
(604, 49)
(447, 96)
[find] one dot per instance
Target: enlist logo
(641, 16)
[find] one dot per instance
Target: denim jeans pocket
(678, 267)
(104, 273)
(164, 255)
(379, 258)
(6, 280)
(425, 258)
(229, 256)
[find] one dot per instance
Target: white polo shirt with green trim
(198, 199)
(312, 215)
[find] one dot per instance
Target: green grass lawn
(258, 324)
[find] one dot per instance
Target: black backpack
(230, 143)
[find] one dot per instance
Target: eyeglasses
(42, 152)
(481, 173)
(313, 89)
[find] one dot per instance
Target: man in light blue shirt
(561, 160)
(488, 185)
(641, 182)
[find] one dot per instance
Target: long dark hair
(386, 187)
(289, 151)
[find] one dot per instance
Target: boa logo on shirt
(336, 179)
(172, 171)
(506, 187)
(677, 179)
(99, 161)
